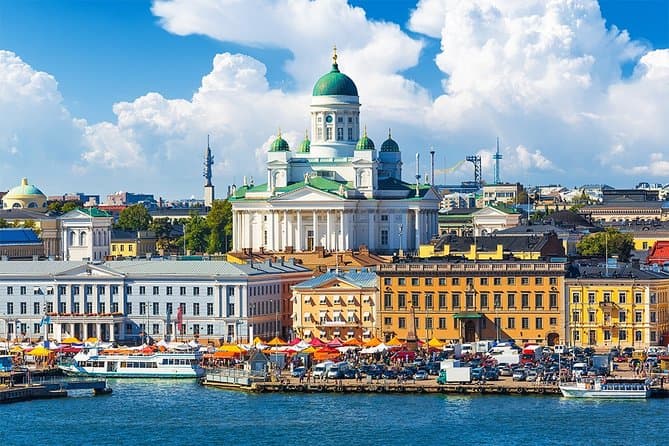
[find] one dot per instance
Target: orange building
(470, 301)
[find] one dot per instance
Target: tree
(609, 241)
(197, 233)
(4, 223)
(70, 206)
(134, 218)
(219, 222)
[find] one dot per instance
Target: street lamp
(401, 254)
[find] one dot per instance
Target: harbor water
(171, 412)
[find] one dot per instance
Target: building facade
(335, 190)
(470, 301)
(130, 301)
(618, 307)
(85, 234)
(336, 305)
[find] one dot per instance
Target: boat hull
(580, 392)
(104, 374)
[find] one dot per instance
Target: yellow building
(621, 307)
(470, 301)
(336, 305)
(132, 243)
(645, 239)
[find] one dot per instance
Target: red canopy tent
(336, 342)
(316, 342)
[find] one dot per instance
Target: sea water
(177, 412)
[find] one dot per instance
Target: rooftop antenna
(417, 172)
(208, 163)
(497, 157)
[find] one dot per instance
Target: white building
(127, 301)
(85, 234)
(336, 190)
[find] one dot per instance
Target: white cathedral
(336, 191)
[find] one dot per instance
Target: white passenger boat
(606, 389)
(152, 365)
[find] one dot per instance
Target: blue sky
(102, 53)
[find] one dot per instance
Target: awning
(468, 315)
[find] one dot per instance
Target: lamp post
(401, 254)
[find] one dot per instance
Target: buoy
(541, 390)
(320, 388)
(379, 389)
(479, 389)
(358, 389)
(420, 389)
(520, 390)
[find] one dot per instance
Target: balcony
(607, 304)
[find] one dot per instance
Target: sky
(109, 95)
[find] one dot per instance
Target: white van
(580, 369)
(322, 368)
(337, 370)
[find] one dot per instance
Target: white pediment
(489, 212)
(307, 194)
(89, 271)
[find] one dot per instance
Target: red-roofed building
(659, 253)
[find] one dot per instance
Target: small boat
(601, 388)
(92, 362)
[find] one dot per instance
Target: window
(384, 218)
(525, 323)
(455, 281)
(402, 300)
(387, 281)
(210, 291)
(622, 297)
(553, 300)
(510, 280)
(497, 300)
(607, 335)
(591, 298)
(231, 309)
(340, 133)
(638, 316)
(442, 300)
(114, 289)
(577, 336)
(552, 280)
(415, 323)
(428, 281)
(169, 308)
(10, 308)
(455, 300)
(142, 308)
(350, 133)
(142, 290)
(196, 309)
(653, 336)
(607, 297)
(387, 321)
(182, 291)
(653, 298)
(525, 300)
(539, 323)
(415, 281)
(414, 301)
(156, 308)
(168, 290)
(401, 281)
(328, 133)
(591, 317)
(638, 336)
(622, 316)
(497, 281)
(23, 308)
(102, 307)
(552, 321)
(622, 335)
(484, 300)
(128, 308)
(442, 323)
(114, 307)
(428, 301)
(538, 300)
(511, 322)
(387, 301)
(638, 298)
(196, 291)
(538, 280)
(22, 290)
(128, 290)
(575, 316)
(653, 317)
(576, 298)
(524, 280)
(401, 322)
(36, 308)
(156, 290)
(511, 300)
(442, 281)
(484, 281)
(10, 290)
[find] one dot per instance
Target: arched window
(82, 239)
(16, 205)
(32, 205)
(72, 237)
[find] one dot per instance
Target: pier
(28, 392)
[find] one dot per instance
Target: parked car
(519, 375)
(298, 372)
(421, 375)
(505, 370)
(628, 351)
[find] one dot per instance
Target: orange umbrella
(394, 342)
(276, 342)
(373, 342)
(353, 342)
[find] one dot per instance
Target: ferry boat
(152, 365)
(606, 389)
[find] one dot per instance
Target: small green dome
(305, 146)
(23, 190)
(335, 83)
(365, 143)
(279, 145)
(389, 145)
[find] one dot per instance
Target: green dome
(23, 190)
(365, 143)
(305, 146)
(335, 83)
(279, 145)
(389, 145)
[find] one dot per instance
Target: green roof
(94, 212)
(335, 83)
(279, 145)
(389, 145)
(23, 189)
(365, 143)
(305, 146)
(467, 315)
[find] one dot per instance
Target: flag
(180, 319)
(46, 320)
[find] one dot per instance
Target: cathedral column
(315, 226)
(418, 228)
(285, 229)
(276, 232)
(328, 234)
(371, 231)
(298, 244)
(235, 233)
(272, 234)
(340, 236)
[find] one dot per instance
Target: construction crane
(474, 159)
